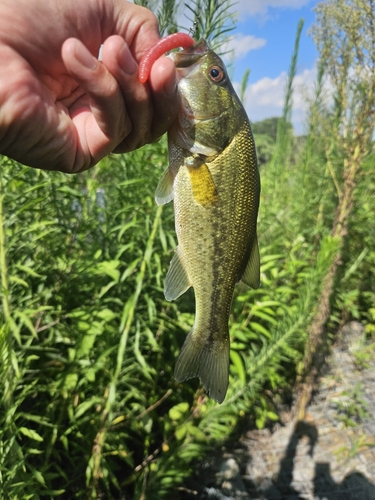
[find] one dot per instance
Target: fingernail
(126, 60)
(84, 56)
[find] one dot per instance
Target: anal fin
(177, 280)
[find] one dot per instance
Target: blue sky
(263, 42)
(277, 30)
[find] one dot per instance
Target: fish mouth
(191, 55)
(195, 114)
(195, 117)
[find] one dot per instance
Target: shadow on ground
(354, 487)
(224, 478)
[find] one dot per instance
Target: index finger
(165, 97)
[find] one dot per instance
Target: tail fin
(210, 363)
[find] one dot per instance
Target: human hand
(62, 109)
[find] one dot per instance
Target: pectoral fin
(251, 275)
(177, 280)
(164, 191)
(202, 183)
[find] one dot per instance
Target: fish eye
(216, 74)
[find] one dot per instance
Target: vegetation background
(89, 407)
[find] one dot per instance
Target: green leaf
(260, 328)
(25, 319)
(106, 314)
(193, 430)
(30, 433)
(19, 281)
(109, 268)
(264, 316)
(176, 412)
(106, 288)
(260, 422)
(238, 366)
(272, 416)
(86, 405)
(28, 270)
(68, 190)
(70, 381)
(38, 476)
(180, 432)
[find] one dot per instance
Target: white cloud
(254, 7)
(265, 98)
(240, 45)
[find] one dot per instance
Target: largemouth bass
(214, 181)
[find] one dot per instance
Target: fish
(214, 182)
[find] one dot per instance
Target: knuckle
(150, 18)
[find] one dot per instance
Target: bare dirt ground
(329, 456)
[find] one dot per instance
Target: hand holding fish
(61, 108)
(214, 182)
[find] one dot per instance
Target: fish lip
(191, 55)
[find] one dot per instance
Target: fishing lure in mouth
(166, 44)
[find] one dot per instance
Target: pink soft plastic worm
(164, 45)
